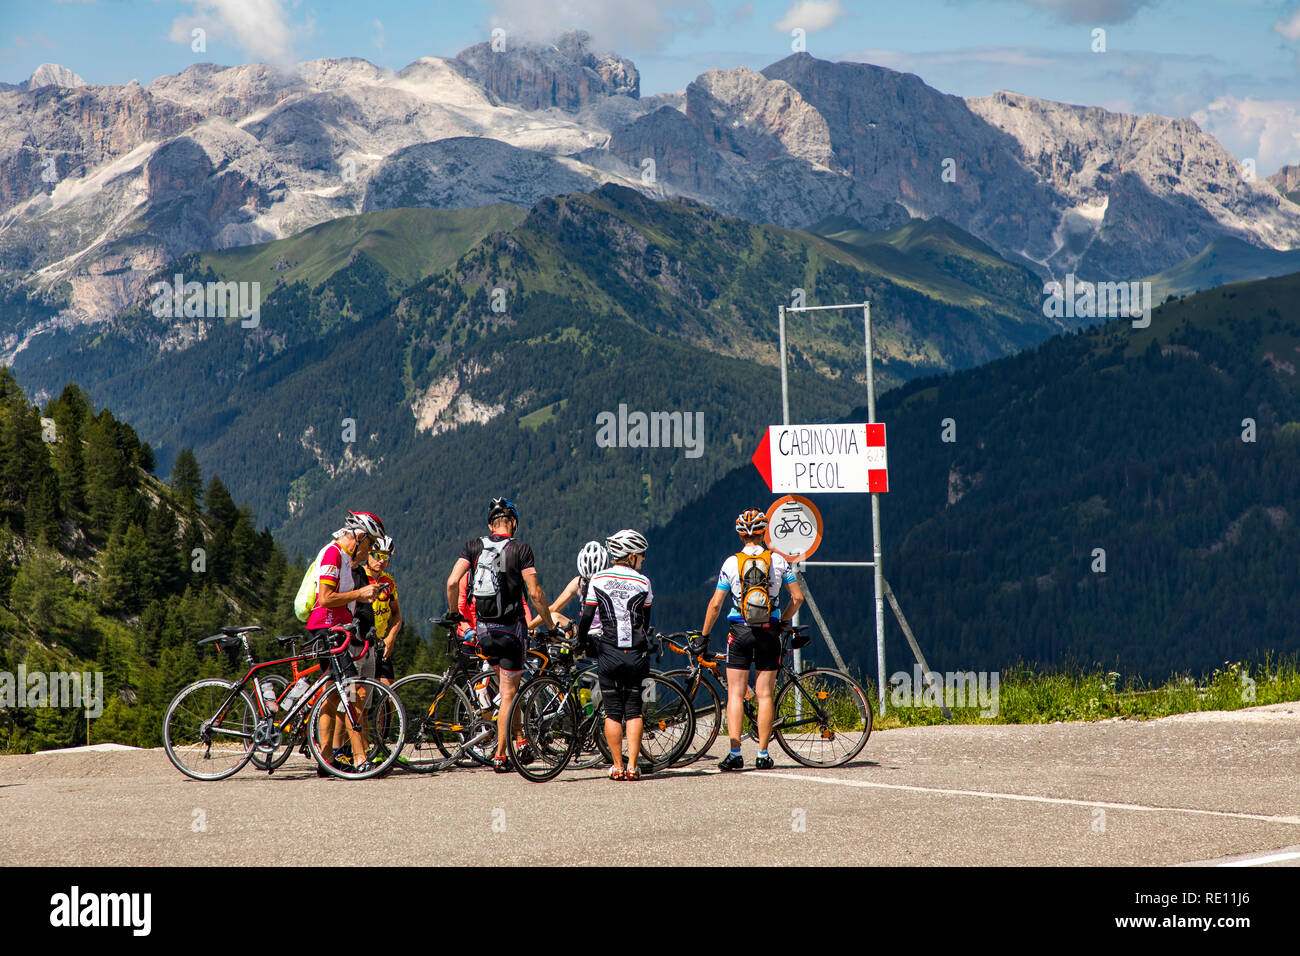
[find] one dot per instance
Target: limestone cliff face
(1287, 181)
(567, 75)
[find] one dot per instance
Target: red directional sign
(824, 459)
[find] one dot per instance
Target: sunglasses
(381, 555)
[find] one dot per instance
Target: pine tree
(69, 412)
(42, 507)
(187, 479)
(222, 512)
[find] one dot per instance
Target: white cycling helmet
(592, 558)
(384, 544)
(620, 544)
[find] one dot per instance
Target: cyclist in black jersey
(508, 569)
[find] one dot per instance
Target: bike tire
(843, 718)
(547, 719)
(428, 746)
(383, 719)
(708, 716)
(184, 727)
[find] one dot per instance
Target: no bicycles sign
(794, 527)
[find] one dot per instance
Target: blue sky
(1233, 65)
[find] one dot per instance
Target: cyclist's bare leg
(361, 731)
(634, 726)
(508, 685)
(737, 685)
(764, 689)
(614, 737)
(330, 732)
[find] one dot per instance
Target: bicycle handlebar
(350, 632)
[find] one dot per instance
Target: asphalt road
(1202, 788)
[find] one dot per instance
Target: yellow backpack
(755, 571)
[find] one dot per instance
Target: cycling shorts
(758, 645)
(504, 645)
(621, 671)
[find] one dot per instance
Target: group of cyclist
(495, 599)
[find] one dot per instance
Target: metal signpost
(796, 459)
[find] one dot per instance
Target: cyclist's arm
(534, 585)
(327, 596)
(796, 599)
(458, 571)
(584, 625)
(715, 608)
(568, 594)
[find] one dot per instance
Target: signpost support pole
(785, 420)
(916, 650)
(877, 574)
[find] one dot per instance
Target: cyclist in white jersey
(624, 598)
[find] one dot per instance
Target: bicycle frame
(307, 700)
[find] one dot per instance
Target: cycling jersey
(382, 607)
(336, 570)
(623, 597)
(729, 580)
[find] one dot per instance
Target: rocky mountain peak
(51, 74)
(566, 74)
(1287, 182)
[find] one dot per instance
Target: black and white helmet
(620, 544)
(592, 558)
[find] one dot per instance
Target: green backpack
(304, 602)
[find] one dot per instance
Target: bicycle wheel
(434, 725)
(667, 725)
(480, 700)
(547, 717)
(204, 741)
(823, 718)
(587, 754)
(708, 716)
(272, 759)
(381, 721)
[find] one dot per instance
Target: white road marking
(991, 795)
(1262, 860)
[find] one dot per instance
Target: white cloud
(1289, 26)
(1266, 130)
(378, 38)
(810, 15)
(996, 56)
(261, 28)
(614, 27)
(1092, 11)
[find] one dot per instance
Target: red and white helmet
(363, 522)
(751, 521)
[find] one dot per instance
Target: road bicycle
(706, 699)
(823, 717)
(214, 727)
(558, 721)
(448, 714)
